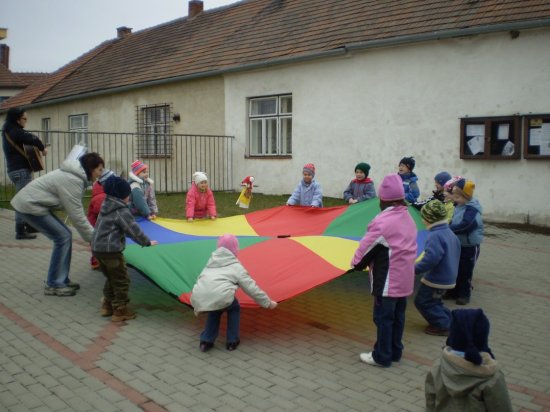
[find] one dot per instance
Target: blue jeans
(468, 259)
(429, 304)
(212, 327)
(20, 178)
(55, 230)
(389, 318)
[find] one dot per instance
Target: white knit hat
(199, 177)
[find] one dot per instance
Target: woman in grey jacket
(60, 189)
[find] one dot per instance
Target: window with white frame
(46, 127)
(78, 126)
(155, 130)
(270, 126)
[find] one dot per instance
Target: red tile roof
(29, 78)
(262, 31)
(9, 80)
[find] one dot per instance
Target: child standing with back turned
(438, 267)
(215, 289)
(114, 223)
(389, 250)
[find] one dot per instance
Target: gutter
(340, 51)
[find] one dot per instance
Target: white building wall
(379, 105)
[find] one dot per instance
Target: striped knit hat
(138, 167)
(433, 211)
(309, 168)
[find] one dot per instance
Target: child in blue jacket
(410, 185)
(362, 187)
(439, 266)
(467, 224)
(308, 192)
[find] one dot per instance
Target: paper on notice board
(508, 149)
(475, 130)
(475, 144)
(503, 131)
(535, 136)
(545, 139)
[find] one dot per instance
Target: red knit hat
(309, 168)
(138, 167)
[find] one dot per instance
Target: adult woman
(19, 171)
(60, 189)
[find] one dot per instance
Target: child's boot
(122, 313)
(106, 307)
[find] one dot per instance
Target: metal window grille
(154, 127)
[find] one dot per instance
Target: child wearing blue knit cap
(467, 377)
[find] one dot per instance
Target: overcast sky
(44, 35)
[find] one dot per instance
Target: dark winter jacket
(360, 190)
(114, 223)
(410, 186)
(14, 159)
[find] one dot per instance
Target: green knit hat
(433, 211)
(364, 167)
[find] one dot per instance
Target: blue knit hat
(117, 187)
(442, 178)
(469, 333)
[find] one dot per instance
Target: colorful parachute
(287, 250)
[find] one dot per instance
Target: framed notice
(490, 137)
(536, 136)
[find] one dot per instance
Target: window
(270, 126)
(490, 138)
(46, 127)
(536, 134)
(78, 126)
(154, 129)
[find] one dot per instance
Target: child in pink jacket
(199, 202)
(389, 250)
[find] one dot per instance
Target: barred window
(154, 130)
(78, 126)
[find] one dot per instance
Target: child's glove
(272, 305)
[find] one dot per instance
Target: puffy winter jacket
(199, 204)
(307, 195)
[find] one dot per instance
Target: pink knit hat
(138, 167)
(309, 168)
(391, 188)
(229, 242)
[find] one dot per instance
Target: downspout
(340, 51)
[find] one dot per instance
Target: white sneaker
(368, 359)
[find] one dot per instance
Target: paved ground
(58, 354)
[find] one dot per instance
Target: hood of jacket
(111, 203)
(460, 376)
(475, 204)
(133, 178)
(221, 257)
(74, 167)
(97, 189)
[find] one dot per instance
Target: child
(98, 195)
(308, 192)
(467, 377)
(215, 290)
(439, 266)
(143, 201)
(362, 187)
(199, 202)
(440, 179)
(406, 166)
(114, 223)
(467, 224)
(389, 250)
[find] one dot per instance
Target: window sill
(268, 157)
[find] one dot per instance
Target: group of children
(455, 229)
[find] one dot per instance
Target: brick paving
(58, 354)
